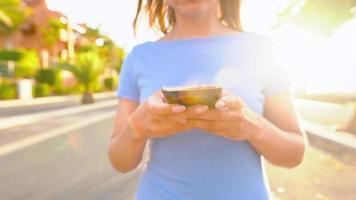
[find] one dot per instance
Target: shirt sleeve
(276, 78)
(128, 82)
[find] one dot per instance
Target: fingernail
(201, 109)
(177, 109)
(220, 104)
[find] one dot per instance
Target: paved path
(71, 165)
(59, 103)
(65, 158)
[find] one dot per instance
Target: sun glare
(321, 64)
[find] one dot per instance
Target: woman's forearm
(282, 148)
(125, 151)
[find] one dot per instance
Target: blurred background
(60, 63)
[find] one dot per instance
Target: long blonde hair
(162, 16)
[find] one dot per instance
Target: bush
(69, 90)
(7, 89)
(97, 87)
(46, 76)
(3, 69)
(27, 65)
(110, 83)
(58, 87)
(62, 91)
(86, 70)
(13, 55)
(52, 77)
(42, 90)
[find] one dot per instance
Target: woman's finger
(212, 114)
(167, 119)
(229, 102)
(156, 106)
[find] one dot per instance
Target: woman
(198, 152)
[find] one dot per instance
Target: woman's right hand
(156, 118)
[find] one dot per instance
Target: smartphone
(193, 95)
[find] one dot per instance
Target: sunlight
(324, 65)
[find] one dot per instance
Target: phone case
(193, 95)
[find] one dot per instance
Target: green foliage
(12, 15)
(58, 85)
(88, 48)
(51, 33)
(60, 90)
(5, 19)
(13, 55)
(110, 83)
(318, 16)
(3, 69)
(98, 87)
(46, 76)
(41, 90)
(112, 56)
(7, 90)
(26, 67)
(92, 32)
(87, 69)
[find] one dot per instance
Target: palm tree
(87, 68)
(5, 20)
(51, 33)
(12, 16)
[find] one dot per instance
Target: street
(66, 158)
(73, 165)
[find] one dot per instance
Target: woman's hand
(231, 118)
(156, 118)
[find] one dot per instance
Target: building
(31, 33)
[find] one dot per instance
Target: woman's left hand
(231, 118)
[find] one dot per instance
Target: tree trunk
(87, 98)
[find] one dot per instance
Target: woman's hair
(162, 16)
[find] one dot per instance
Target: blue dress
(197, 165)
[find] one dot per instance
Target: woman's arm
(125, 151)
(154, 118)
(279, 138)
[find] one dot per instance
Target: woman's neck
(187, 27)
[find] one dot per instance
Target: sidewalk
(49, 100)
(327, 172)
(18, 112)
(343, 140)
(321, 176)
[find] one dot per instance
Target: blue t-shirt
(197, 165)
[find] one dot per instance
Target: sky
(114, 17)
(325, 65)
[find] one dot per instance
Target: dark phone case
(188, 96)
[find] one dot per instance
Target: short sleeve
(276, 77)
(128, 82)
